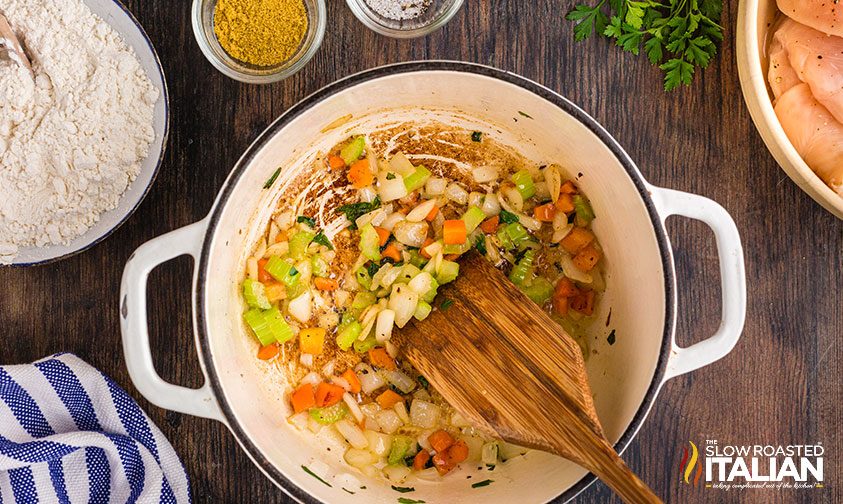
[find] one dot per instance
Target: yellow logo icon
(688, 464)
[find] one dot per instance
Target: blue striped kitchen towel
(69, 434)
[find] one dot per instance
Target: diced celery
(408, 272)
(363, 299)
(319, 266)
(365, 345)
(347, 319)
(370, 243)
(422, 310)
(473, 217)
(416, 179)
(524, 183)
(539, 291)
(363, 278)
(524, 269)
(416, 259)
(448, 272)
(513, 236)
(458, 249)
(254, 293)
(349, 335)
(506, 241)
(400, 446)
(352, 152)
(297, 290)
(283, 270)
(431, 294)
(583, 209)
(299, 243)
(269, 326)
(330, 414)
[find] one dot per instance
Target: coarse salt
(399, 10)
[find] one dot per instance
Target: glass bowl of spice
(404, 18)
(259, 41)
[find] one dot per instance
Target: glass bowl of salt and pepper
(404, 18)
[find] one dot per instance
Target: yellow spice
(264, 33)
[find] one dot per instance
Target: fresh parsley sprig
(677, 35)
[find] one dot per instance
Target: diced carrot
(442, 463)
(560, 305)
(268, 352)
(565, 203)
(544, 213)
(275, 291)
(421, 459)
(427, 241)
(458, 452)
(587, 258)
(326, 284)
(490, 225)
(312, 340)
(388, 399)
(440, 440)
(391, 251)
(303, 398)
(380, 358)
(383, 235)
(263, 276)
(335, 162)
(568, 188)
(454, 232)
(360, 175)
(351, 377)
(577, 239)
(583, 302)
(432, 214)
(451, 257)
(281, 236)
(565, 288)
(328, 394)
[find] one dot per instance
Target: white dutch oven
(641, 290)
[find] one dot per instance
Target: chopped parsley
(271, 180)
(611, 338)
(372, 268)
(390, 176)
(353, 211)
(308, 471)
(446, 304)
(480, 244)
(423, 381)
(347, 490)
(482, 483)
(508, 217)
(321, 239)
(310, 221)
(528, 116)
(403, 489)
(476, 136)
(404, 500)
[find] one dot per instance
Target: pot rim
(200, 320)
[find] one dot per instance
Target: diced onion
(379, 443)
(391, 220)
(383, 329)
(306, 360)
(434, 248)
(572, 272)
(312, 378)
(553, 178)
(369, 380)
(401, 409)
(328, 320)
(511, 199)
(424, 414)
(421, 211)
(529, 222)
(368, 194)
(352, 434)
(435, 186)
(353, 407)
(457, 420)
(301, 307)
(401, 164)
(561, 233)
(491, 205)
(484, 174)
(403, 301)
(360, 458)
(489, 455)
(411, 234)
(284, 220)
(542, 192)
(429, 474)
(396, 473)
(423, 439)
(376, 279)
(391, 349)
(278, 249)
(375, 217)
(475, 199)
(422, 283)
(342, 382)
(475, 448)
(388, 420)
(509, 450)
(456, 193)
(299, 420)
(401, 381)
(391, 189)
(252, 268)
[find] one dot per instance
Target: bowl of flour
(82, 141)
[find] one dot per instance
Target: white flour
(73, 140)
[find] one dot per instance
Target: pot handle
(135, 329)
(732, 279)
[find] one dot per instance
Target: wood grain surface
(782, 384)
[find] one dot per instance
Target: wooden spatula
(504, 364)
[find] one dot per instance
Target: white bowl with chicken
(790, 61)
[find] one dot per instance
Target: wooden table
(780, 385)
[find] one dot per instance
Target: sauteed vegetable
(333, 299)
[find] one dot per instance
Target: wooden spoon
(504, 364)
(10, 42)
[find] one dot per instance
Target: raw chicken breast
(781, 74)
(813, 131)
(817, 59)
(823, 15)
